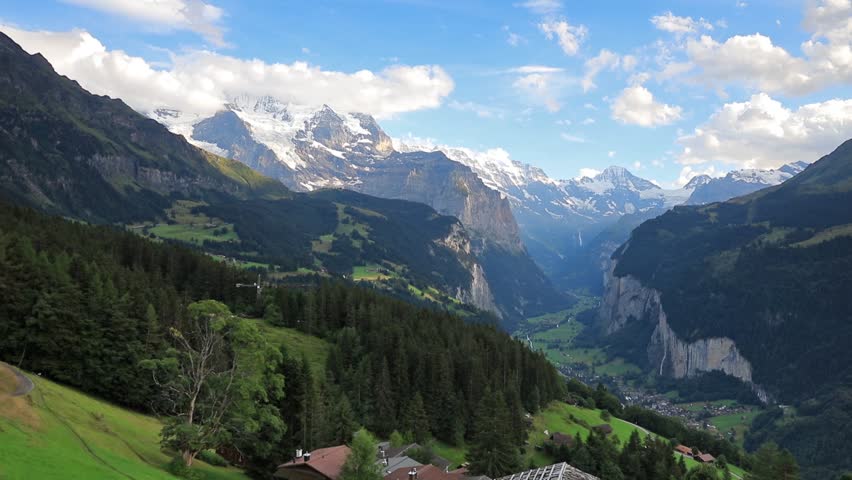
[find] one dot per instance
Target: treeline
(98, 308)
(419, 371)
(84, 305)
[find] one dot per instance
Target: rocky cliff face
(478, 293)
(627, 300)
(448, 187)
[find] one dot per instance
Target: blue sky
(509, 74)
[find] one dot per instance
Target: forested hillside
(98, 308)
(771, 272)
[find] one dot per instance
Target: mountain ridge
(93, 158)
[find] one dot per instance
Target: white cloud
(687, 173)
(669, 22)
(514, 39)
(588, 121)
(481, 111)
(589, 106)
(526, 69)
(604, 60)
(568, 36)
(610, 153)
(636, 106)
(588, 172)
(572, 138)
(542, 7)
(763, 133)
(193, 15)
(754, 60)
(306, 50)
(202, 81)
(741, 4)
(543, 86)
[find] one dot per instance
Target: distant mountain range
(570, 225)
(316, 148)
(93, 158)
(558, 222)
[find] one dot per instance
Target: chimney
(307, 457)
(412, 474)
(298, 453)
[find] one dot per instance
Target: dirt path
(25, 385)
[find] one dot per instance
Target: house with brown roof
(705, 458)
(684, 450)
(604, 428)
(561, 440)
(321, 464)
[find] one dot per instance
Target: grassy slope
(298, 344)
(557, 418)
(60, 433)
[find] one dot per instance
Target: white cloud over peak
(763, 133)
(636, 106)
(669, 22)
(588, 172)
(202, 81)
(194, 15)
(568, 36)
(687, 173)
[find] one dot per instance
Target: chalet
(705, 458)
(562, 440)
(684, 450)
(559, 471)
(322, 464)
(604, 428)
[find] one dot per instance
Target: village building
(604, 428)
(559, 471)
(322, 464)
(562, 440)
(684, 450)
(705, 458)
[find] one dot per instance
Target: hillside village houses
(327, 464)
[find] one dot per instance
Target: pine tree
(384, 416)
(492, 451)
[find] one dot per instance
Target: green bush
(212, 458)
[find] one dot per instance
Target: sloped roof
(559, 471)
(399, 462)
(326, 461)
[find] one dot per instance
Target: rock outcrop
(627, 300)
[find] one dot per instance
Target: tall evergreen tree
(492, 451)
